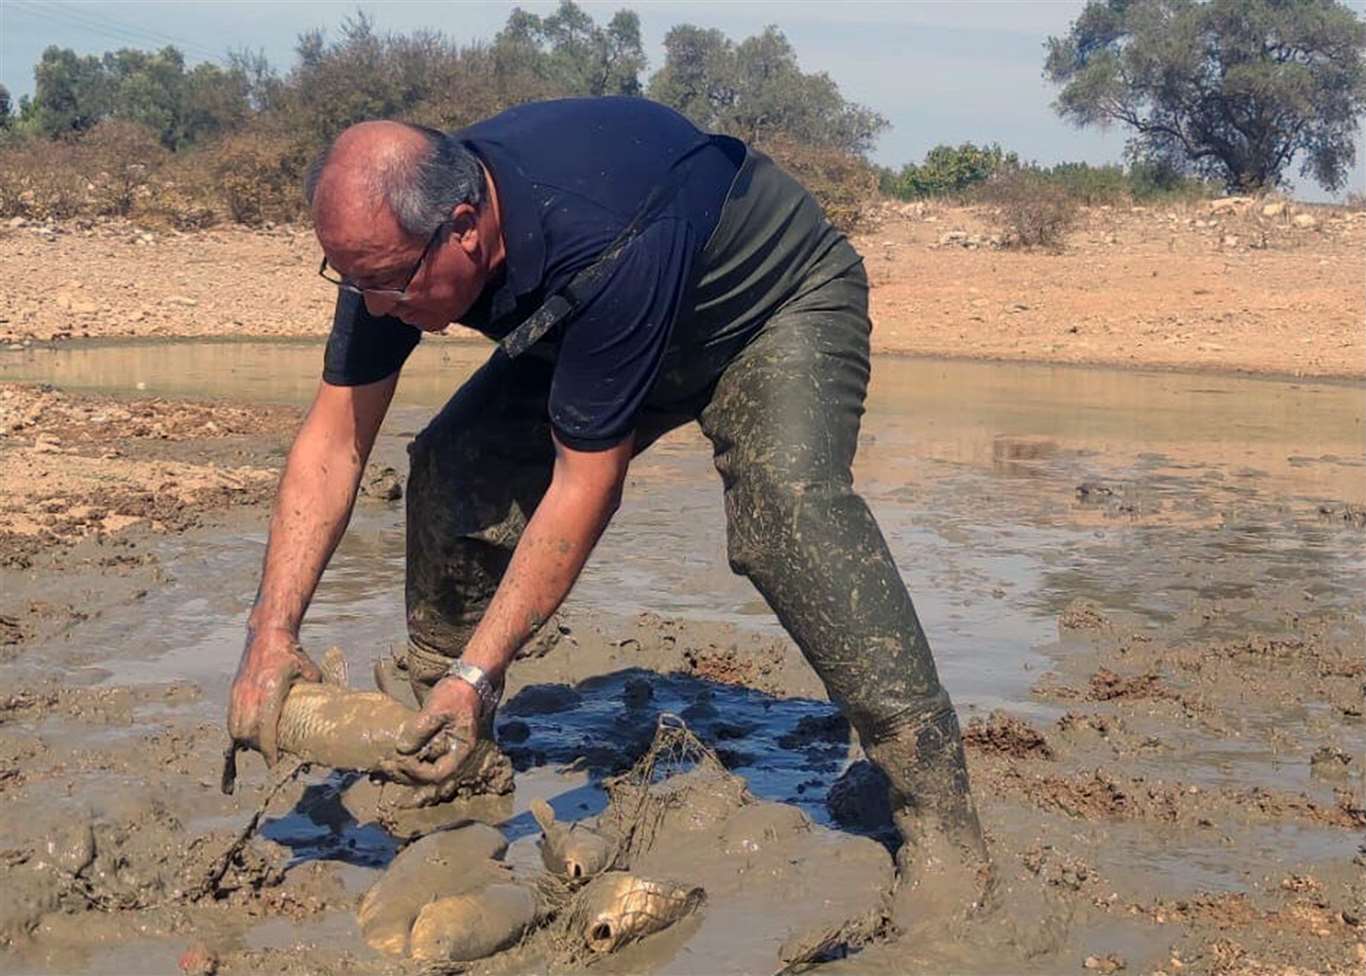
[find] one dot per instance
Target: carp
(443, 864)
(619, 907)
(570, 850)
(332, 725)
(462, 928)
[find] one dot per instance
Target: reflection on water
(1303, 436)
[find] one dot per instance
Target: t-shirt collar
(523, 236)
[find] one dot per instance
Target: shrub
(1091, 185)
(39, 179)
(1031, 209)
(948, 170)
(184, 196)
(843, 183)
(120, 161)
(259, 174)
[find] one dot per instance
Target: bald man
(638, 274)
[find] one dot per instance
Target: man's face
(443, 273)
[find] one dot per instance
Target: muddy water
(1006, 493)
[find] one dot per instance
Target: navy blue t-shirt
(571, 175)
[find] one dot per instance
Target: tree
(6, 119)
(70, 93)
(949, 169)
(572, 54)
(756, 90)
(1228, 89)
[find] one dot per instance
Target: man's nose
(379, 304)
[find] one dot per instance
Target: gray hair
(421, 189)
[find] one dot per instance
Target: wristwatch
(478, 679)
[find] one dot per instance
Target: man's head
(401, 208)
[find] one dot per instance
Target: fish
(618, 907)
(462, 928)
(570, 850)
(440, 865)
(331, 725)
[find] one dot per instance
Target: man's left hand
(434, 745)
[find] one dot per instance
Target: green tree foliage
(756, 90)
(571, 54)
(72, 94)
(6, 110)
(1230, 89)
(947, 170)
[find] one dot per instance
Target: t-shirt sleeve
(613, 346)
(365, 348)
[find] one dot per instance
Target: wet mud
(1161, 681)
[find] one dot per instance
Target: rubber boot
(943, 867)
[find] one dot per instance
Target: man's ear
(465, 226)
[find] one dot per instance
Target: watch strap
(478, 679)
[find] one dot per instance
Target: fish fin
(334, 667)
(544, 814)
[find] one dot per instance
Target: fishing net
(679, 779)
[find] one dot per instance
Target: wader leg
(784, 421)
(476, 474)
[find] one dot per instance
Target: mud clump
(1083, 615)
(382, 483)
(546, 699)
(1106, 685)
(859, 799)
(1005, 735)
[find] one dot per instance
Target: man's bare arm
(315, 496)
(312, 507)
(584, 492)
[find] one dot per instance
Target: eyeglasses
(345, 284)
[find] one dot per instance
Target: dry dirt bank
(1197, 287)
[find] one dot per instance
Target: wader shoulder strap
(581, 287)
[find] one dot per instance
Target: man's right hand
(271, 662)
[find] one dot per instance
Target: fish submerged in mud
(570, 850)
(463, 928)
(619, 907)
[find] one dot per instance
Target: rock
(1108, 963)
(1304, 221)
(183, 300)
(1230, 240)
(1228, 204)
(16, 222)
(1274, 209)
(953, 237)
(72, 849)
(84, 306)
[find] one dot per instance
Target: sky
(940, 72)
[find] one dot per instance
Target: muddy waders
(781, 402)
